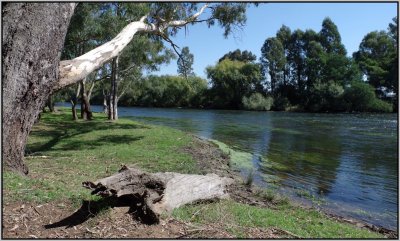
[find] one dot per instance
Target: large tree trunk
(33, 37)
(160, 192)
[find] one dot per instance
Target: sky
(354, 21)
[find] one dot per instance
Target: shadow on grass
(103, 140)
(63, 130)
(91, 209)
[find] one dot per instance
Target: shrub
(281, 103)
(257, 101)
(325, 97)
(361, 97)
(380, 106)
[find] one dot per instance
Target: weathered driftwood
(157, 193)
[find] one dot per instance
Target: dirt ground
(61, 220)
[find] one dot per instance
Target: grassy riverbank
(61, 154)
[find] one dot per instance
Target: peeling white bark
(72, 71)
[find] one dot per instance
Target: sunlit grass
(231, 216)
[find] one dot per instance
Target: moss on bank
(62, 153)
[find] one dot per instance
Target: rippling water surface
(344, 163)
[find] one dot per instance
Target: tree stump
(157, 193)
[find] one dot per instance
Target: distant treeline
(298, 70)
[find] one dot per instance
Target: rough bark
(160, 192)
(33, 37)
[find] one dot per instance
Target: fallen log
(157, 193)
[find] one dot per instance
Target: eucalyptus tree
(185, 63)
(284, 36)
(273, 61)
(84, 34)
(33, 37)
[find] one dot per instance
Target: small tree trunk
(50, 104)
(74, 102)
(115, 91)
(112, 105)
(83, 102)
(73, 108)
(116, 109)
(105, 105)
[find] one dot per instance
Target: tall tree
(284, 35)
(330, 38)
(185, 62)
(31, 59)
(375, 58)
(274, 61)
(296, 58)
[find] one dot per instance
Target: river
(343, 163)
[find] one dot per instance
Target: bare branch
(175, 23)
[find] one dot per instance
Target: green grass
(62, 153)
(233, 216)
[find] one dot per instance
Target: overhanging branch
(72, 71)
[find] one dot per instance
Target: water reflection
(307, 152)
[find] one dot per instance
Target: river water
(344, 163)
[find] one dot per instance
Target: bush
(380, 106)
(325, 97)
(361, 97)
(281, 103)
(257, 101)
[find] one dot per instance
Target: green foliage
(281, 103)
(375, 58)
(166, 91)
(238, 55)
(185, 63)
(361, 97)
(231, 81)
(273, 59)
(226, 15)
(330, 38)
(324, 97)
(309, 70)
(257, 101)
